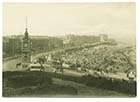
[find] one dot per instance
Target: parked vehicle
(35, 67)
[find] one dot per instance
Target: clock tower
(26, 49)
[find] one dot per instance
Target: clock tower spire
(26, 32)
(26, 48)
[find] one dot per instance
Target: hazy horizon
(118, 20)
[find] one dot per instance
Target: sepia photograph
(69, 50)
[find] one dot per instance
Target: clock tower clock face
(25, 45)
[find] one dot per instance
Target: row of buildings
(12, 44)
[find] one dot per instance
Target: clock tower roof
(26, 33)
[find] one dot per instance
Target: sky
(54, 19)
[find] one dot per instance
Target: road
(10, 65)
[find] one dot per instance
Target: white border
(137, 99)
(69, 0)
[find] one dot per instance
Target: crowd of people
(102, 58)
(105, 58)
